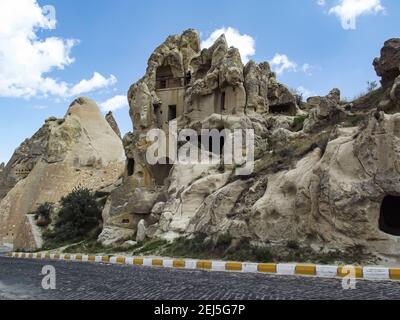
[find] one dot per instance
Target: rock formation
(187, 88)
(387, 66)
(325, 183)
(79, 150)
(113, 124)
(324, 173)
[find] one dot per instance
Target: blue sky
(98, 48)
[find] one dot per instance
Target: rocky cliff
(326, 172)
(79, 150)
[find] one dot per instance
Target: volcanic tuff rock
(322, 183)
(326, 173)
(79, 150)
(387, 65)
(185, 87)
(113, 124)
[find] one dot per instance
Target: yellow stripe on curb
(91, 258)
(394, 273)
(306, 269)
(341, 273)
(121, 260)
(179, 263)
(105, 259)
(67, 257)
(157, 262)
(267, 267)
(204, 265)
(138, 262)
(57, 257)
(233, 266)
(78, 257)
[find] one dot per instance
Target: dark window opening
(171, 113)
(287, 108)
(389, 221)
(188, 78)
(161, 171)
(125, 221)
(158, 115)
(165, 79)
(223, 97)
(163, 84)
(131, 167)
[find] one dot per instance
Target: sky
(53, 51)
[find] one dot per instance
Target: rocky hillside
(79, 150)
(326, 172)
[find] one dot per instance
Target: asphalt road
(22, 279)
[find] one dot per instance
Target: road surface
(21, 279)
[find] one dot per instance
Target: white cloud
(26, 61)
(280, 63)
(96, 82)
(349, 10)
(245, 43)
(307, 68)
(321, 2)
(115, 103)
(305, 92)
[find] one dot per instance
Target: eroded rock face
(188, 88)
(113, 124)
(325, 111)
(387, 65)
(327, 198)
(25, 157)
(79, 150)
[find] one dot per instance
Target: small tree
(42, 214)
(79, 215)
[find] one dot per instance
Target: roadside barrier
(309, 270)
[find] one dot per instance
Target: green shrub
(78, 218)
(42, 214)
(298, 122)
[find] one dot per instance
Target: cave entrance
(389, 221)
(161, 171)
(286, 109)
(130, 167)
(172, 113)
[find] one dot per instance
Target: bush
(79, 216)
(298, 122)
(42, 214)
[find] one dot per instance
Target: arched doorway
(389, 220)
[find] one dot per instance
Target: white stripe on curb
(190, 264)
(147, 262)
(327, 271)
(250, 267)
(375, 273)
(218, 266)
(286, 269)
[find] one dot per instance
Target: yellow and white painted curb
(322, 271)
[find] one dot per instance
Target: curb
(310, 270)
